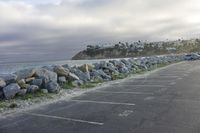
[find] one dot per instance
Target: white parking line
(169, 76)
(172, 83)
(122, 92)
(145, 85)
(64, 118)
(102, 102)
(179, 78)
(151, 81)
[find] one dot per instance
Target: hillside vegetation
(139, 48)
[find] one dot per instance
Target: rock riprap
(51, 79)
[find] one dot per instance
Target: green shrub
(88, 85)
(119, 76)
(68, 85)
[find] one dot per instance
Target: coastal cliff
(136, 49)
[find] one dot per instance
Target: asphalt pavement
(165, 101)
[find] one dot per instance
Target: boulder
(61, 71)
(102, 74)
(121, 65)
(81, 75)
(127, 63)
(32, 89)
(37, 82)
(11, 90)
(110, 65)
(9, 78)
(112, 70)
(66, 66)
(103, 64)
(2, 83)
(94, 74)
(25, 73)
(50, 68)
(97, 66)
(86, 67)
(72, 77)
(53, 87)
(106, 71)
(62, 79)
(1, 95)
(115, 62)
(22, 92)
(22, 83)
(98, 79)
(46, 75)
(124, 70)
(28, 80)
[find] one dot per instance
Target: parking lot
(164, 101)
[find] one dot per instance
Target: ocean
(11, 67)
(16, 58)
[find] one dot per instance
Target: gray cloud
(62, 27)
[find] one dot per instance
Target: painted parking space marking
(148, 98)
(126, 92)
(151, 81)
(172, 83)
(126, 113)
(179, 78)
(170, 76)
(103, 102)
(65, 118)
(145, 85)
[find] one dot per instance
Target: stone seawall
(51, 79)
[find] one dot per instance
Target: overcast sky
(61, 27)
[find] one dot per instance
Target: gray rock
(103, 64)
(66, 66)
(86, 67)
(72, 77)
(106, 71)
(53, 87)
(22, 83)
(25, 73)
(97, 66)
(22, 92)
(1, 95)
(11, 90)
(116, 63)
(110, 65)
(61, 71)
(9, 78)
(124, 70)
(98, 78)
(2, 83)
(62, 79)
(112, 70)
(82, 76)
(46, 75)
(32, 89)
(121, 65)
(37, 82)
(102, 74)
(127, 63)
(28, 80)
(50, 68)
